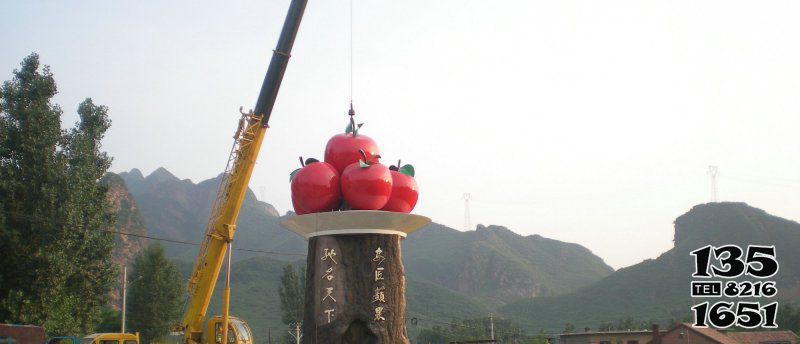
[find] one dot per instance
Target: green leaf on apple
(311, 161)
(349, 128)
(407, 169)
(291, 175)
(362, 164)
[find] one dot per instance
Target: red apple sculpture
(315, 187)
(404, 189)
(366, 185)
(342, 149)
(297, 209)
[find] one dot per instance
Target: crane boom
(228, 201)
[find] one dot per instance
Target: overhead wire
(198, 244)
(149, 237)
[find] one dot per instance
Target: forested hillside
(658, 289)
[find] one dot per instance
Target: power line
(198, 244)
(143, 236)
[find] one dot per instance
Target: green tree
(434, 335)
(292, 293)
(605, 326)
(789, 317)
(110, 321)
(476, 329)
(154, 296)
(540, 338)
(57, 268)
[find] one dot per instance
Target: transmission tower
(262, 191)
(467, 224)
(713, 172)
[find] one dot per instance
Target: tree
(478, 329)
(154, 296)
(110, 321)
(57, 268)
(292, 293)
(789, 317)
(434, 335)
(540, 338)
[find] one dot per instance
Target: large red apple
(342, 149)
(366, 185)
(315, 188)
(404, 190)
(297, 209)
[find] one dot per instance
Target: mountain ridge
(658, 289)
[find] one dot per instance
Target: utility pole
(467, 224)
(713, 172)
(296, 334)
(124, 294)
(491, 324)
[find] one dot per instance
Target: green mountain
(497, 265)
(178, 209)
(128, 220)
(658, 289)
(450, 274)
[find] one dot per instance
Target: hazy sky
(585, 121)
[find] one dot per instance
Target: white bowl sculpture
(355, 222)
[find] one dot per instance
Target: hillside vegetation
(658, 289)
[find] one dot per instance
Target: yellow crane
(225, 210)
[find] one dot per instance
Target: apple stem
(352, 113)
(302, 163)
(364, 155)
(398, 164)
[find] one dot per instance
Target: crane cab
(111, 338)
(238, 331)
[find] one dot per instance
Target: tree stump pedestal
(355, 282)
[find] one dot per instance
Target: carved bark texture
(357, 281)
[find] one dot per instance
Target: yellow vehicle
(238, 330)
(225, 209)
(111, 338)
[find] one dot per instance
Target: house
(21, 334)
(609, 337)
(685, 333)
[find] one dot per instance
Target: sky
(591, 122)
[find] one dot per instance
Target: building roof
(606, 333)
(711, 333)
(762, 337)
